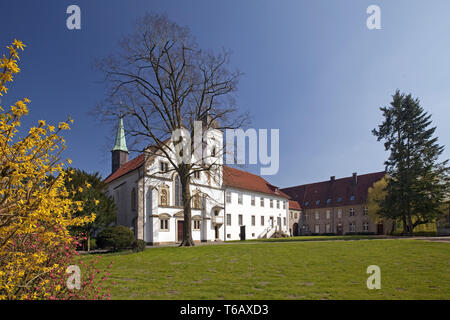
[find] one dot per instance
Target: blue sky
(312, 69)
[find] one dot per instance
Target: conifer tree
(419, 182)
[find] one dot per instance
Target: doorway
(216, 232)
(242, 233)
(380, 228)
(295, 230)
(180, 226)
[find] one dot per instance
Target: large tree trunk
(186, 197)
(405, 226)
(410, 226)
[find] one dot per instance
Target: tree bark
(186, 197)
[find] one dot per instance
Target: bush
(117, 238)
(139, 245)
(93, 244)
(416, 234)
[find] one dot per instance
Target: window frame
(164, 224)
(229, 219)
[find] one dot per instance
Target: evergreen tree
(90, 190)
(418, 183)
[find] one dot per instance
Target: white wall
(120, 189)
(247, 210)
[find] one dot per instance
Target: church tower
(119, 152)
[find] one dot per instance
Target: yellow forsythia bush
(35, 207)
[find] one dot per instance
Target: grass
(314, 238)
(410, 269)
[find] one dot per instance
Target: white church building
(230, 204)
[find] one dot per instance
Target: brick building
(336, 206)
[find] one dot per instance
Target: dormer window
(339, 199)
(352, 198)
(306, 203)
(317, 202)
(329, 201)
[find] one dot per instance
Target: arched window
(178, 192)
(133, 199)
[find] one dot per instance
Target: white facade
(254, 212)
(148, 200)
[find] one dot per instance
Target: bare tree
(162, 81)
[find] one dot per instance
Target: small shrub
(116, 237)
(92, 244)
(416, 233)
(360, 233)
(139, 245)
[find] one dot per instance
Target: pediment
(179, 214)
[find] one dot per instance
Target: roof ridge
(336, 180)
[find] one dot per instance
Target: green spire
(121, 143)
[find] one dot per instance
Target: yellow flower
(96, 202)
(63, 126)
(19, 44)
(80, 189)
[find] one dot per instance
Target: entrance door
(295, 229)
(242, 232)
(180, 225)
(339, 229)
(217, 232)
(380, 228)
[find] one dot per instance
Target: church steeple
(121, 143)
(120, 151)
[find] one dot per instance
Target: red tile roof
(126, 168)
(294, 205)
(317, 195)
(236, 178)
(133, 164)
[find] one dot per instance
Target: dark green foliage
(93, 244)
(116, 238)
(139, 245)
(105, 210)
(418, 183)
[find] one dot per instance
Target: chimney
(355, 178)
(332, 178)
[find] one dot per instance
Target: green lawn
(410, 269)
